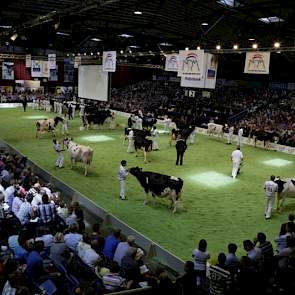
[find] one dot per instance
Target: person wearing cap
(270, 188)
(60, 158)
(122, 249)
(122, 174)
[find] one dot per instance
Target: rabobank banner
(191, 63)
(257, 62)
(208, 77)
(171, 64)
(109, 61)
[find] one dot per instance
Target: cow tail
(90, 157)
(178, 192)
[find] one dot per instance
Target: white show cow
(215, 129)
(286, 189)
(47, 125)
(79, 153)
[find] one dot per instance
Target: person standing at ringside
(122, 174)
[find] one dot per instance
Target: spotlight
(98, 53)
(236, 46)
(73, 54)
(198, 48)
(255, 46)
(137, 12)
(218, 47)
(121, 51)
(186, 48)
(13, 37)
(91, 53)
(277, 45)
(204, 24)
(84, 53)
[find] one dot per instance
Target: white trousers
(239, 141)
(236, 166)
(229, 137)
(122, 188)
(131, 148)
(155, 145)
(269, 201)
(60, 160)
(64, 129)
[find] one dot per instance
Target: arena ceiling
(94, 25)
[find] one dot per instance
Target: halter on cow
(47, 125)
(79, 153)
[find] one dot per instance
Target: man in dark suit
(180, 149)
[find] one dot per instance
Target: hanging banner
(257, 62)
(77, 61)
(191, 63)
(109, 61)
(36, 68)
(28, 60)
(68, 70)
(211, 70)
(8, 71)
(51, 61)
(208, 77)
(45, 69)
(53, 76)
(39, 69)
(171, 64)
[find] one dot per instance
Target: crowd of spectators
(259, 110)
(45, 246)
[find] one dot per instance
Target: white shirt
(237, 156)
(122, 173)
(270, 188)
(240, 132)
(231, 130)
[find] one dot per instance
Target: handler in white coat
(130, 136)
(236, 158)
(230, 134)
(122, 174)
(155, 137)
(240, 135)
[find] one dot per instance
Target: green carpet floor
(210, 209)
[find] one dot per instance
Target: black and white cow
(286, 189)
(148, 122)
(183, 133)
(159, 185)
(140, 141)
(98, 117)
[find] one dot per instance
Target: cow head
(57, 120)
(135, 171)
(280, 184)
(66, 141)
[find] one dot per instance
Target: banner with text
(8, 71)
(257, 62)
(208, 77)
(191, 63)
(171, 64)
(28, 60)
(53, 76)
(52, 61)
(211, 70)
(39, 69)
(109, 61)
